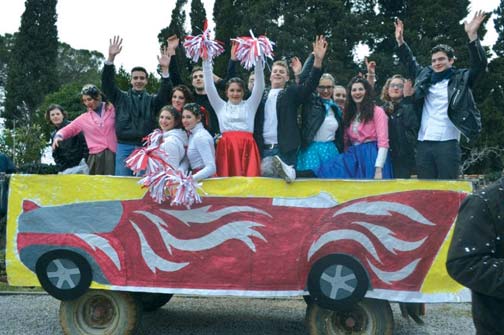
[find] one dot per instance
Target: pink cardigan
(374, 130)
(99, 131)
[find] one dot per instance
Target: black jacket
(70, 151)
(403, 125)
(288, 101)
(476, 256)
(314, 113)
(135, 111)
(462, 109)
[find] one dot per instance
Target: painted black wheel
(64, 274)
(367, 317)
(101, 312)
(336, 281)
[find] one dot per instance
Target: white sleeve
(205, 147)
(257, 92)
(381, 157)
(212, 94)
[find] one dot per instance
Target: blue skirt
(316, 154)
(358, 162)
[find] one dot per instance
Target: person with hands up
(446, 105)
(136, 109)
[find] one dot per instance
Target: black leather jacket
(288, 102)
(462, 109)
(476, 256)
(314, 113)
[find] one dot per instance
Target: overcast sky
(89, 25)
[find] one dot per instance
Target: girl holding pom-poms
(237, 152)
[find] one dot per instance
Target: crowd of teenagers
(306, 127)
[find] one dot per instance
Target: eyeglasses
(399, 86)
(325, 88)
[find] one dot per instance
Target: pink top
(99, 131)
(374, 130)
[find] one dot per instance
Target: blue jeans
(123, 151)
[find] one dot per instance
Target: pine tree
(498, 47)
(198, 16)
(32, 67)
(176, 27)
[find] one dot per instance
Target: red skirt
(237, 155)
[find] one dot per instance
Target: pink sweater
(374, 130)
(99, 131)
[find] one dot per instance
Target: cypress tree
(198, 16)
(32, 67)
(498, 47)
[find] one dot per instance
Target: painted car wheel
(153, 301)
(64, 274)
(101, 312)
(335, 281)
(369, 316)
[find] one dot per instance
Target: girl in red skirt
(237, 153)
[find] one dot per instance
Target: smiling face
(178, 99)
(234, 93)
(440, 61)
(56, 117)
(91, 103)
(279, 76)
(138, 80)
(325, 88)
(358, 92)
(189, 120)
(166, 120)
(339, 96)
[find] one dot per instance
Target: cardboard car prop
(336, 240)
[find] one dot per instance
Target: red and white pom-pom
(183, 189)
(148, 158)
(251, 49)
(202, 46)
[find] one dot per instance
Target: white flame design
(343, 234)
(202, 215)
(98, 242)
(384, 208)
(388, 277)
(152, 260)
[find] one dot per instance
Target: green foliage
(32, 67)
(498, 47)
(82, 66)
(198, 16)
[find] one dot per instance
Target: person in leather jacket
(444, 98)
(476, 256)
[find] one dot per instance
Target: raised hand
(172, 42)
(471, 28)
(399, 31)
(319, 50)
(234, 47)
(115, 47)
(408, 89)
(296, 65)
(370, 65)
(164, 59)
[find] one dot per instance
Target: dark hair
(366, 107)
(52, 107)
(236, 80)
(448, 50)
(177, 116)
(185, 91)
(197, 111)
(93, 91)
(141, 69)
(196, 69)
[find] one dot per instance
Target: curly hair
(366, 106)
(177, 116)
(185, 91)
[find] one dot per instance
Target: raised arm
(308, 86)
(404, 52)
(231, 69)
(212, 94)
(476, 52)
(173, 42)
(164, 93)
(257, 91)
(109, 86)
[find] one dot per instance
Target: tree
(176, 27)
(498, 47)
(32, 67)
(82, 66)
(198, 16)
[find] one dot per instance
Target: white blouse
(201, 152)
(239, 117)
(175, 142)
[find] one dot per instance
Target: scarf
(436, 77)
(328, 104)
